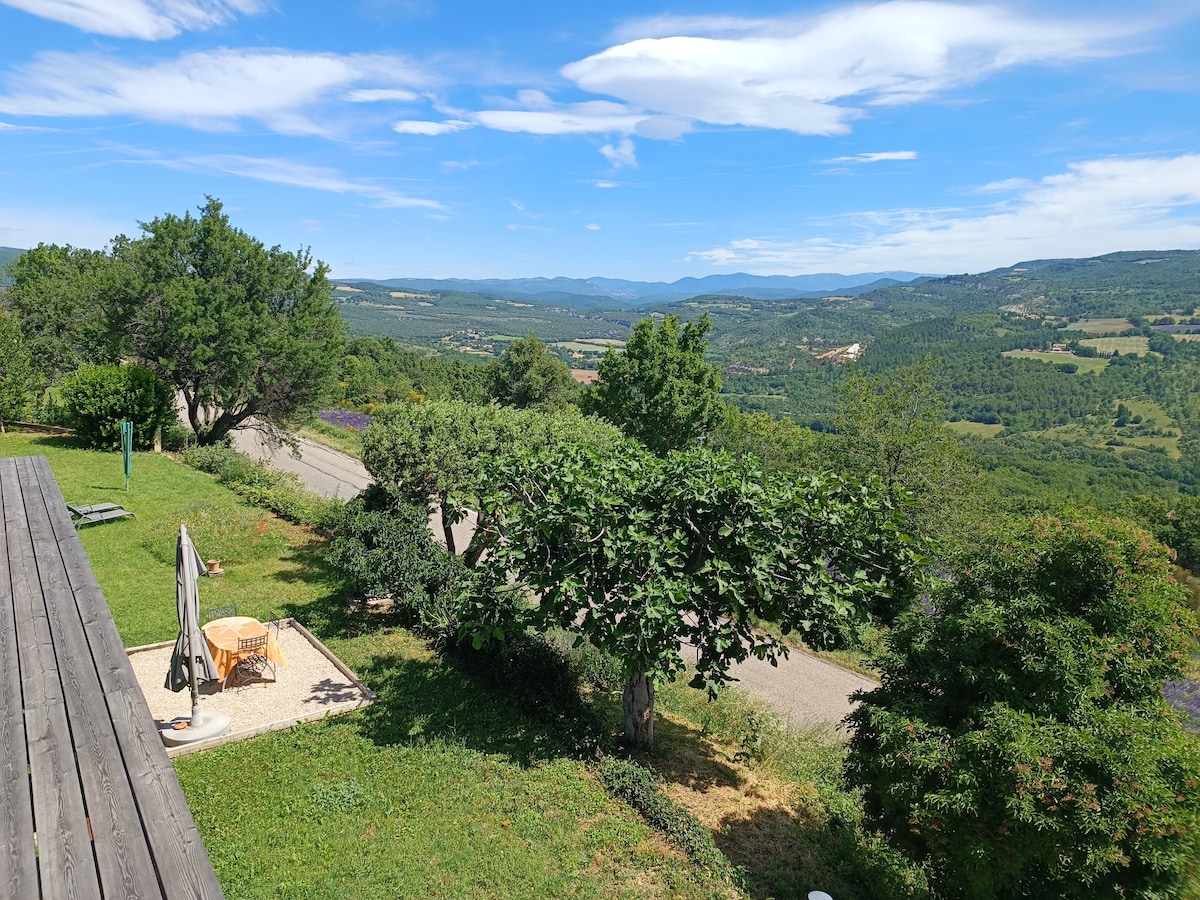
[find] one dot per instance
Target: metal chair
(218, 612)
(253, 665)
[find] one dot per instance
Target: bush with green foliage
(98, 398)
(280, 492)
(1019, 744)
(383, 548)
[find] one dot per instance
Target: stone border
(368, 697)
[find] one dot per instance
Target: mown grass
(344, 440)
(981, 429)
(457, 783)
(1087, 365)
(1137, 345)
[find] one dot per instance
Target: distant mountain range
(608, 293)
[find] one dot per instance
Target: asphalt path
(802, 689)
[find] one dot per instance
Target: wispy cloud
(147, 20)
(432, 129)
(211, 90)
(285, 171)
(592, 226)
(875, 157)
(1094, 207)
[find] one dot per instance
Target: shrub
(1019, 743)
(280, 492)
(383, 548)
(96, 399)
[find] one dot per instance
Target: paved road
(323, 471)
(803, 689)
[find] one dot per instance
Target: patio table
(224, 636)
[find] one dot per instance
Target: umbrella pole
(195, 690)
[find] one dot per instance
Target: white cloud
(431, 128)
(875, 157)
(285, 171)
(1095, 207)
(814, 76)
(211, 90)
(378, 94)
(148, 20)
(592, 226)
(591, 117)
(620, 154)
(606, 184)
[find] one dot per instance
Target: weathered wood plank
(18, 862)
(108, 650)
(65, 862)
(60, 516)
(183, 863)
(122, 855)
(39, 668)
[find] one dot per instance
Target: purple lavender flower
(345, 418)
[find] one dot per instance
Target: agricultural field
(1126, 346)
(976, 428)
(1153, 428)
(1100, 326)
(1087, 365)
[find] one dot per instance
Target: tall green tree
(240, 330)
(641, 554)
(1019, 743)
(660, 390)
(892, 426)
(16, 371)
(529, 374)
(68, 299)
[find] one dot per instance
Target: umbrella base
(210, 723)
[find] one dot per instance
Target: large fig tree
(644, 555)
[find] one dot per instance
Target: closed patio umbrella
(191, 661)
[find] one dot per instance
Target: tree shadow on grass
(783, 838)
(470, 702)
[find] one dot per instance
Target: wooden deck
(89, 804)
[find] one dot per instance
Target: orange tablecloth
(223, 636)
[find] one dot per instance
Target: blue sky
(631, 140)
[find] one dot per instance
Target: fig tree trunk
(639, 709)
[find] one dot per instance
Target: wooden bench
(98, 512)
(89, 804)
